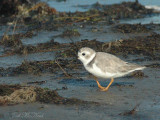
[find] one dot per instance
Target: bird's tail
(140, 68)
(134, 67)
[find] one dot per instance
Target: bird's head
(85, 55)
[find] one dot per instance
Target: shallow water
(40, 37)
(16, 60)
(59, 112)
(147, 20)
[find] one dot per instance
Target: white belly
(96, 71)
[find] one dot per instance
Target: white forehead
(87, 50)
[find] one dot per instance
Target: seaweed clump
(138, 74)
(38, 67)
(14, 40)
(7, 90)
(70, 33)
(41, 47)
(129, 28)
(143, 45)
(128, 10)
(11, 41)
(123, 10)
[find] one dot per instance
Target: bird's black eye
(83, 54)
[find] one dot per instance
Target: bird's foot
(104, 88)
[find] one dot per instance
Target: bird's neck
(90, 59)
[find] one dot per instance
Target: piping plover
(105, 65)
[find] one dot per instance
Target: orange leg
(104, 88)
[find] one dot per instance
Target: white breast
(96, 71)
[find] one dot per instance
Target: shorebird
(105, 65)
